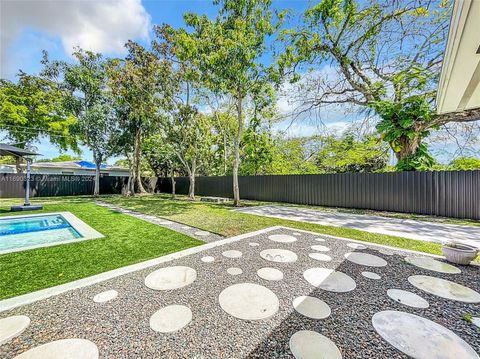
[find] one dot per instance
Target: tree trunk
(137, 153)
(98, 164)
(191, 176)
(408, 147)
(224, 153)
(18, 163)
(172, 178)
(236, 162)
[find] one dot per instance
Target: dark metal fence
(449, 193)
(446, 193)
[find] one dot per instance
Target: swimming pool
(19, 233)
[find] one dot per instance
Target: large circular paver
(12, 327)
(444, 288)
(356, 246)
(249, 301)
(234, 271)
(419, 337)
(171, 318)
(320, 257)
(232, 253)
(268, 273)
(371, 275)
(169, 278)
(282, 238)
(311, 307)
(319, 239)
(105, 296)
(207, 259)
(63, 349)
(330, 280)
(307, 344)
(407, 298)
(278, 255)
(433, 265)
(365, 259)
(320, 248)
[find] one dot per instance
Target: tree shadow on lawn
(349, 325)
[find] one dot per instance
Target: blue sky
(29, 26)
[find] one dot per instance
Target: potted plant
(459, 253)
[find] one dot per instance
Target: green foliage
(32, 108)
(388, 57)
(465, 164)
(290, 156)
(60, 158)
(403, 125)
(257, 147)
(346, 154)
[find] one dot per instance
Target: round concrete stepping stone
(234, 271)
(407, 298)
(476, 321)
(356, 246)
(320, 257)
(433, 265)
(371, 275)
(329, 279)
(105, 296)
(268, 273)
(11, 327)
(169, 278)
(249, 301)
(282, 238)
(296, 234)
(171, 318)
(311, 307)
(365, 259)
(444, 288)
(319, 239)
(232, 254)
(307, 344)
(208, 259)
(253, 244)
(278, 255)
(62, 349)
(320, 248)
(419, 337)
(202, 233)
(385, 252)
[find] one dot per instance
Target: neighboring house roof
(459, 85)
(75, 165)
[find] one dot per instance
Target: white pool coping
(14, 302)
(86, 232)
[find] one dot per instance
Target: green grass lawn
(219, 218)
(127, 241)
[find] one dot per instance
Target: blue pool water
(17, 233)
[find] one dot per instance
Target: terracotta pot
(459, 253)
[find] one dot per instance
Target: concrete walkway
(407, 228)
(175, 226)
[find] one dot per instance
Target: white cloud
(103, 25)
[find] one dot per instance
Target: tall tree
(138, 84)
(227, 52)
(387, 56)
(32, 108)
(87, 95)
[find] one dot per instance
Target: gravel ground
(120, 328)
(162, 222)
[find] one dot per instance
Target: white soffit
(459, 86)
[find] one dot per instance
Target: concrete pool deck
(188, 305)
(406, 228)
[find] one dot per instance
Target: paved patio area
(420, 230)
(279, 293)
